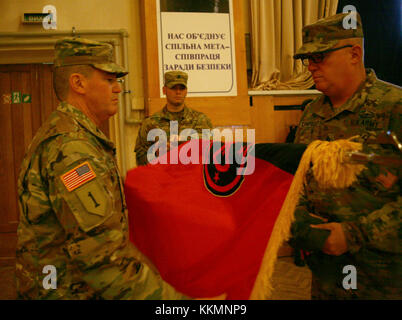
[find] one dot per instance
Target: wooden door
(26, 100)
(21, 114)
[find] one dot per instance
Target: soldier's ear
(77, 83)
(164, 90)
(357, 53)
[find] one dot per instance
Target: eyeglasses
(319, 56)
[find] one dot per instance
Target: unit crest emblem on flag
(221, 176)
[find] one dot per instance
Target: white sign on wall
(201, 44)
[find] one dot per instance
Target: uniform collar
(85, 122)
(175, 115)
(324, 107)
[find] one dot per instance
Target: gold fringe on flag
(330, 171)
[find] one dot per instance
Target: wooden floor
(7, 286)
(289, 281)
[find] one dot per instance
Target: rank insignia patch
(78, 176)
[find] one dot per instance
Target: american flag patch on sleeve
(78, 176)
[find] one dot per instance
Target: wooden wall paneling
(47, 92)
(150, 44)
(27, 111)
(273, 125)
(285, 118)
(36, 102)
(262, 120)
(47, 70)
(7, 173)
(18, 132)
(19, 123)
(8, 244)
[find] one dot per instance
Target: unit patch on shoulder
(78, 176)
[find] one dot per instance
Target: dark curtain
(382, 36)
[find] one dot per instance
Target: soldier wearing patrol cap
(358, 226)
(174, 114)
(72, 209)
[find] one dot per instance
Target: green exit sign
(34, 17)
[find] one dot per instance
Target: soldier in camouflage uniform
(359, 225)
(73, 212)
(175, 116)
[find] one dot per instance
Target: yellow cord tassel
(330, 171)
(328, 167)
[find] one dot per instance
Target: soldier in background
(361, 225)
(73, 213)
(175, 114)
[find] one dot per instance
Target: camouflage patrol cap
(326, 33)
(175, 77)
(79, 51)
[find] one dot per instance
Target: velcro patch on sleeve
(78, 176)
